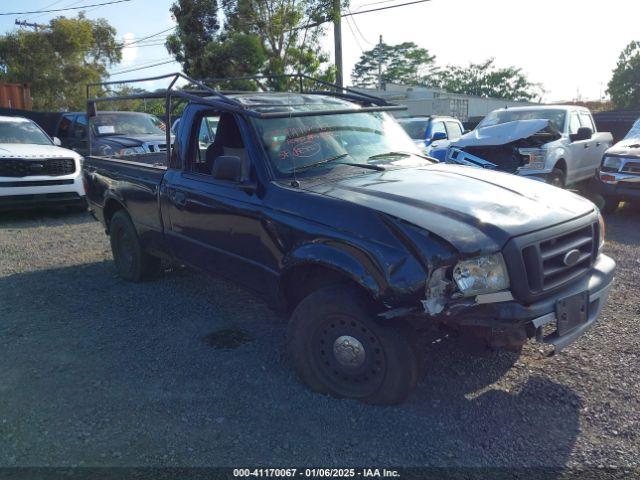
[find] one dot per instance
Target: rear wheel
(132, 262)
(557, 178)
(338, 348)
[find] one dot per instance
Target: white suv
(34, 170)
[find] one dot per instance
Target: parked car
(113, 133)
(620, 171)
(322, 204)
(34, 170)
(433, 133)
(557, 144)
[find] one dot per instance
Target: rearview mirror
(438, 136)
(56, 141)
(584, 133)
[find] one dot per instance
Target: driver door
(219, 225)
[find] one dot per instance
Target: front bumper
(35, 191)
(622, 186)
(535, 318)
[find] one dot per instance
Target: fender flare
(347, 260)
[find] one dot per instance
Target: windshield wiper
(390, 154)
(378, 168)
(321, 162)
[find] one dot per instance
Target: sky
(568, 46)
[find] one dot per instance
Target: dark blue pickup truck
(322, 204)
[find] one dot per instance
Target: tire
(610, 205)
(132, 262)
(320, 340)
(557, 178)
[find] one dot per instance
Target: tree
(486, 80)
(405, 63)
(624, 86)
(249, 37)
(60, 60)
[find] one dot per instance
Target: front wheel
(338, 348)
(557, 178)
(132, 262)
(610, 205)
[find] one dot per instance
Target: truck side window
(437, 127)
(574, 123)
(64, 128)
(587, 121)
(80, 127)
(453, 130)
(217, 135)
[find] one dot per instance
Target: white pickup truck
(34, 170)
(557, 143)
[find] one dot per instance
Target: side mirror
(56, 141)
(584, 133)
(233, 169)
(438, 136)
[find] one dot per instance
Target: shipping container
(15, 95)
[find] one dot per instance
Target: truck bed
(132, 184)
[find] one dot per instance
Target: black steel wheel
(340, 349)
(132, 262)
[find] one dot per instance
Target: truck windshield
(634, 132)
(22, 131)
(416, 129)
(556, 117)
(108, 123)
(306, 143)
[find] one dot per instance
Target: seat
(228, 141)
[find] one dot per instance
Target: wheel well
(110, 208)
(562, 165)
(300, 281)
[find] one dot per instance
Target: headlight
(611, 164)
(131, 150)
(601, 232)
(481, 275)
(536, 158)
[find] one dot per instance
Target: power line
(64, 9)
(142, 68)
(351, 14)
(355, 24)
(152, 35)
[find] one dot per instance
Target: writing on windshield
(297, 142)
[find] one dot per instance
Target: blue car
(433, 134)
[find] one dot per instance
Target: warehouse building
(421, 101)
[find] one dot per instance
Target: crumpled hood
(628, 147)
(29, 150)
(475, 210)
(503, 133)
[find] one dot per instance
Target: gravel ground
(99, 372)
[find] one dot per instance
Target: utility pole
(380, 64)
(24, 23)
(337, 38)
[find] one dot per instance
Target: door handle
(598, 144)
(586, 145)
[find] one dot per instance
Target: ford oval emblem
(571, 257)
